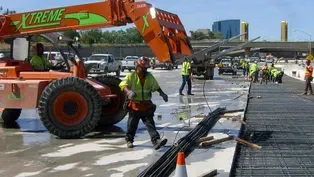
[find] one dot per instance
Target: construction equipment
(70, 105)
(203, 61)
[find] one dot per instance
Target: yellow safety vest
(186, 66)
(37, 61)
(143, 92)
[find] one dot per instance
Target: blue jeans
(186, 79)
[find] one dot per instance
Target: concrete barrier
(296, 71)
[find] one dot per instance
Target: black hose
(166, 164)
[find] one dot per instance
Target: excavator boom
(162, 31)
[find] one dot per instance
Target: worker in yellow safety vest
(308, 77)
(138, 87)
(37, 61)
(186, 73)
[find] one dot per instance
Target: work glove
(130, 94)
(164, 96)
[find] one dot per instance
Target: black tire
(79, 125)
(211, 77)
(220, 72)
(9, 116)
(130, 70)
(106, 70)
(206, 77)
(122, 70)
(108, 116)
(118, 72)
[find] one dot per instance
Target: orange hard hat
(143, 62)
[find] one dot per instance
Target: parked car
(227, 65)
(56, 57)
(129, 63)
(168, 65)
(103, 64)
(2, 55)
(269, 59)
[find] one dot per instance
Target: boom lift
(70, 105)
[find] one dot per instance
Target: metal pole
(310, 45)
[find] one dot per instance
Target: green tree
(71, 34)
(196, 35)
(6, 11)
(218, 35)
(91, 36)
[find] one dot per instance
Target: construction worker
(308, 77)
(138, 87)
(264, 74)
(37, 61)
(254, 71)
(271, 67)
(244, 66)
(186, 77)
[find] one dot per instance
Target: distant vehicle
(2, 55)
(269, 59)
(129, 63)
(103, 64)
(56, 57)
(227, 65)
(167, 65)
(254, 59)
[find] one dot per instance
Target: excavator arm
(162, 31)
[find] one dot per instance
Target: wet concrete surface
(29, 150)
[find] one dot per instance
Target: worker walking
(37, 61)
(138, 87)
(308, 77)
(186, 77)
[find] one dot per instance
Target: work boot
(305, 93)
(190, 94)
(159, 143)
(181, 94)
(311, 93)
(129, 144)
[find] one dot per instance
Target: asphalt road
(29, 150)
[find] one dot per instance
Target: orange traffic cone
(181, 168)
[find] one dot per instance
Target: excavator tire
(69, 107)
(114, 112)
(9, 116)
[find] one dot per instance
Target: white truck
(103, 64)
(129, 63)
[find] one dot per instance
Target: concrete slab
(29, 150)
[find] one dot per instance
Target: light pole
(310, 42)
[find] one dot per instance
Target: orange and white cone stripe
(181, 168)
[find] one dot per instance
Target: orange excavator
(69, 104)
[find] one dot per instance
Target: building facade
(245, 29)
(284, 31)
(228, 28)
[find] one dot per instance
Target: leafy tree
(6, 11)
(218, 35)
(91, 36)
(71, 34)
(196, 35)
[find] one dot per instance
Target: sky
(263, 16)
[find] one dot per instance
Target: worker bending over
(271, 67)
(138, 87)
(264, 74)
(254, 72)
(37, 61)
(308, 77)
